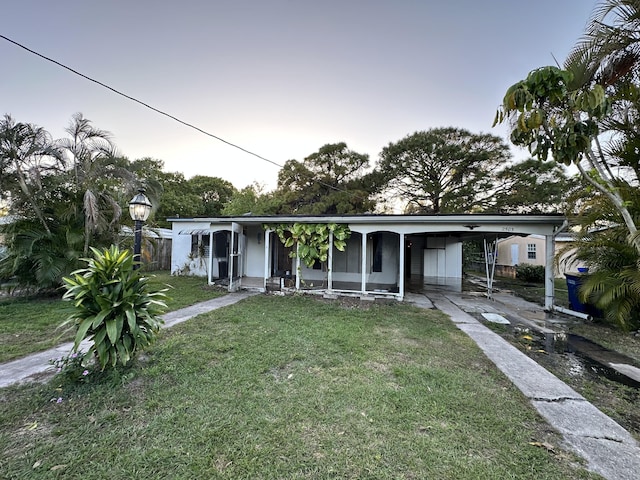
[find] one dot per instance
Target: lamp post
(139, 209)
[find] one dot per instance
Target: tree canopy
(333, 180)
(443, 170)
(533, 187)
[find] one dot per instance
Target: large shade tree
(333, 180)
(213, 193)
(173, 195)
(443, 170)
(251, 199)
(533, 187)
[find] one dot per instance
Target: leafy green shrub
(114, 306)
(530, 273)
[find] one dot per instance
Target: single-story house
(384, 255)
(531, 249)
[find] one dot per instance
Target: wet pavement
(608, 448)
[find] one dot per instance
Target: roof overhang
(467, 225)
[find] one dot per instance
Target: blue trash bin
(573, 286)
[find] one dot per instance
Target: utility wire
(141, 102)
(162, 112)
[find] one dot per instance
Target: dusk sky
(280, 78)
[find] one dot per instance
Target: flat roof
(466, 225)
(555, 219)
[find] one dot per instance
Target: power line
(162, 112)
(140, 102)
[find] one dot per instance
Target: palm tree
(610, 47)
(609, 55)
(27, 154)
(95, 167)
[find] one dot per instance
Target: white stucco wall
(442, 259)
(181, 261)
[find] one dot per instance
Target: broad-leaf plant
(115, 306)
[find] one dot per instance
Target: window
(200, 245)
(531, 251)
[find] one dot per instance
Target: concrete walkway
(608, 448)
(23, 368)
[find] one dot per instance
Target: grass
(29, 325)
(284, 388)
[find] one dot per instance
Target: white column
(549, 282)
(330, 264)
(363, 263)
(297, 267)
(267, 257)
(210, 258)
(231, 257)
(401, 268)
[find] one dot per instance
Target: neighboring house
(384, 256)
(515, 250)
(531, 249)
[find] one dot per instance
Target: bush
(114, 307)
(530, 273)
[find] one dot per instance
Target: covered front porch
(383, 254)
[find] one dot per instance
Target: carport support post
(549, 283)
(210, 258)
(401, 268)
(267, 258)
(363, 287)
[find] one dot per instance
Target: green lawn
(29, 325)
(283, 388)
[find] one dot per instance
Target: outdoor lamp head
(140, 207)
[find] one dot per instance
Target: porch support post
(549, 283)
(267, 258)
(231, 257)
(401, 268)
(298, 267)
(363, 263)
(330, 264)
(210, 258)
